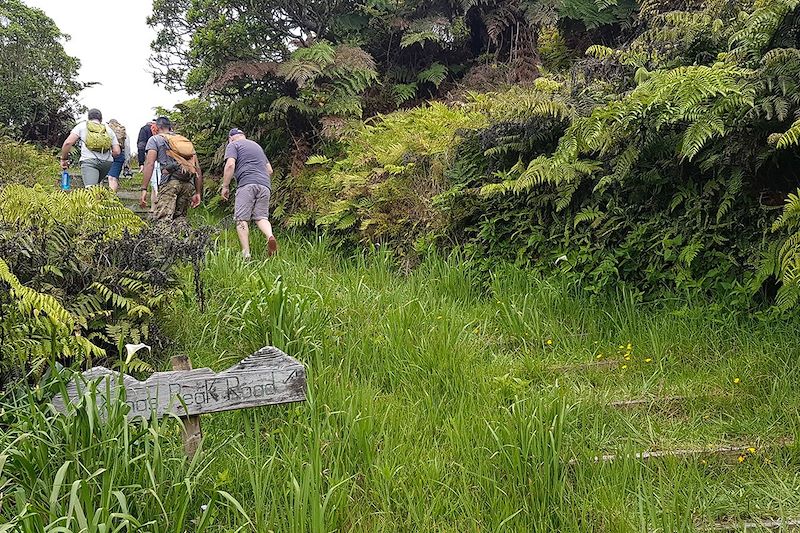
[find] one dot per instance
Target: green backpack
(97, 138)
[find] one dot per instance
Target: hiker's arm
(116, 149)
(269, 169)
(66, 148)
(227, 176)
(149, 165)
(198, 183)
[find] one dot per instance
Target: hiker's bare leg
(113, 184)
(243, 230)
(265, 227)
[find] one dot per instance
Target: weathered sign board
(267, 377)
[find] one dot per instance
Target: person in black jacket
(145, 133)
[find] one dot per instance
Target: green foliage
(390, 169)
(88, 211)
(81, 275)
(38, 80)
(595, 13)
(787, 260)
(346, 61)
(24, 163)
(790, 137)
(646, 165)
(330, 81)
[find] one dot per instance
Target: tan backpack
(182, 151)
(119, 131)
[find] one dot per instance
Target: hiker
(99, 147)
(120, 161)
(147, 131)
(180, 180)
(246, 160)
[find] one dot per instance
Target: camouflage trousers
(173, 201)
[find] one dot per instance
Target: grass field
(449, 401)
(452, 401)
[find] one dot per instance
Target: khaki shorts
(94, 171)
(252, 202)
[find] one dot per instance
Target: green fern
(403, 92)
(435, 74)
(790, 137)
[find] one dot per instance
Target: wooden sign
(267, 377)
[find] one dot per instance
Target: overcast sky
(117, 60)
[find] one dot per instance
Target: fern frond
(790, 137)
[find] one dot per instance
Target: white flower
(132, 349)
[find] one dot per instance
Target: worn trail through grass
(450, 400)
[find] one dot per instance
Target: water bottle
(65, 180)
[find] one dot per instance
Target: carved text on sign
(267, 377)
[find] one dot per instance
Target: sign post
(192, 432)
(267, 377)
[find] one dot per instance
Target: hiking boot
(272, 246)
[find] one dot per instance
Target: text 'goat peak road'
(267, 377)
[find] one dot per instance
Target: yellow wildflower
(549, 342)
(599, 356)
(648, 360)
(751, 450)
(741, 458)
(621, 347)
(624, 367)
(629, 347)
(627, 357)
(737, 380)
(703, 462)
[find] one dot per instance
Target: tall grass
(93, 471)
(433, 406)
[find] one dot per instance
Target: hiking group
(171, 169)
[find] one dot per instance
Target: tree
(38, 79)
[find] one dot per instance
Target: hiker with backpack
(246, 160)
(99, 147)
(145, 133)
(120, 161)
(180, 181)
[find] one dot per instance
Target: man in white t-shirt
(99, 147)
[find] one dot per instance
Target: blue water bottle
(65, 180)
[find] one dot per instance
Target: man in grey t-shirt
(177, 187)
(245, 160)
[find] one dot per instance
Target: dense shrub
(81, 276)
(24, 163)
(662, 163)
